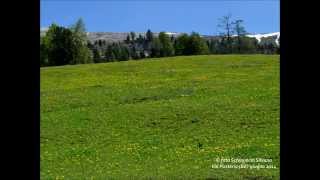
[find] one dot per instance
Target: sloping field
(166, 118)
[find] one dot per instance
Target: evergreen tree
(140, 39)
(124, 53)
(116, 50)
(155, 47)
(196, 45)
(278, 47)
(134, 53)
(43, 53)
(109, 54)
(59, 45)
(133, 35)
(149, 36)
(96, 56)
(172, 39)
(142, 55)
(248, 45)
(211, 46)
(223, 46)
(81, 53)
(166, 48)
(180, 45)
(90, 45)
(79, 28)
(127, 39)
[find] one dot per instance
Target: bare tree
(240, 31)
(225, 25)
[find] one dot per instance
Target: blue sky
(174, 16)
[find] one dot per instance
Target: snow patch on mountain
(172, 33)
(260, 36)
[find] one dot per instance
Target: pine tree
(43, 53)
(140, 39)
(133, 35)
(196, 45)
(155, 47)
(149, 36)
(124, 53)
(166, 45)
(180, 45)
(79, 28)
(96, 56)
(82, 54)
(127, 39)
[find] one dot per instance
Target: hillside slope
(166, 117)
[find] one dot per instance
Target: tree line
(61, 45)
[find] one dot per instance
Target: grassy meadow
(162, 118)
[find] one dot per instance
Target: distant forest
(62, 46)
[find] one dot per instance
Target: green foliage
(82, 53)
(116, 49)
(124, 53)
(224, 47)
(79, 28)
(181, 43)
(155, 47)
(197, 45)
(214, 46)
(248, 45)
(96, 55)
(62, 46)
(110, 53)
(190, 45)
(43, 53)
(134, 53)
(166, 45)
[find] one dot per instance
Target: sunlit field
(162, 118)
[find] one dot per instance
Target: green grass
(166, 118)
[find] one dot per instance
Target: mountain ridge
(121, 36)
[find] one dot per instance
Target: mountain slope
(260, 36)
(121, 36)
